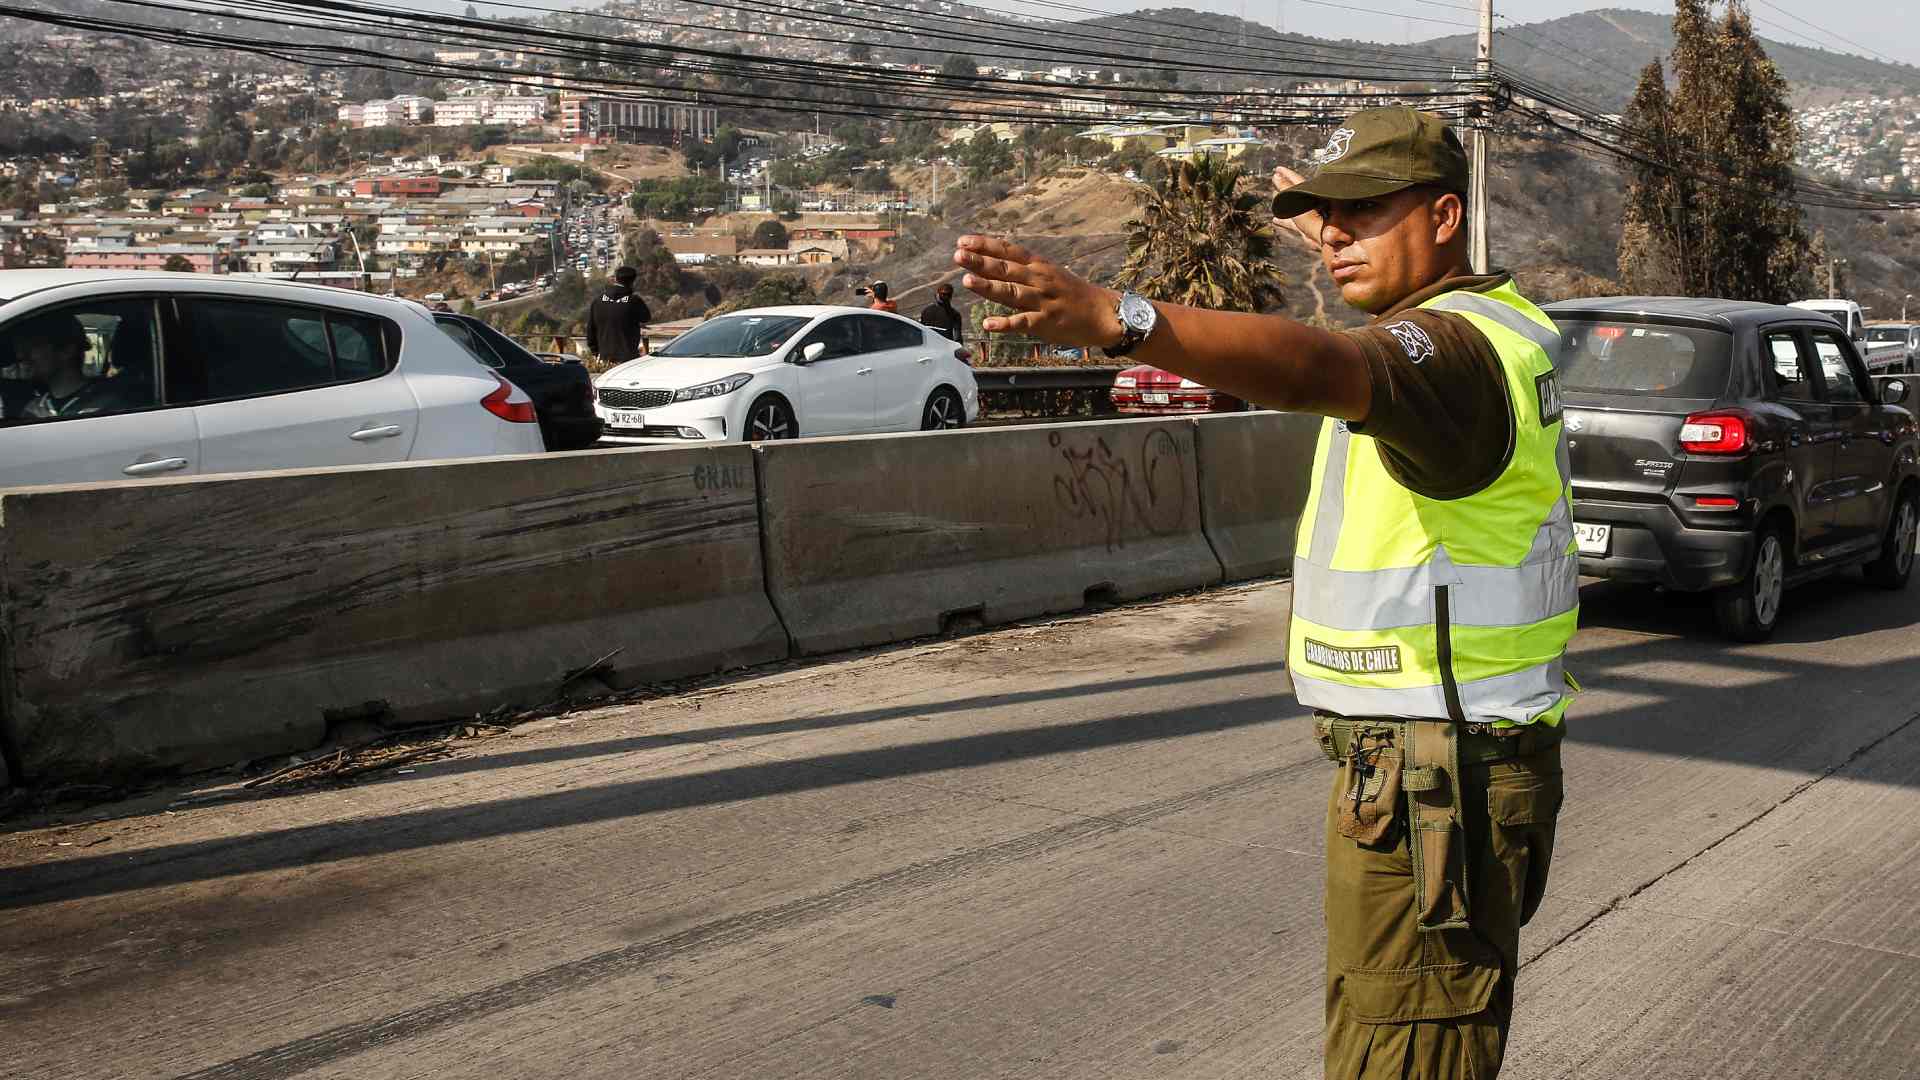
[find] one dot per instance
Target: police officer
(1435, 580)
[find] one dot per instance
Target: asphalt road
(1078, 849)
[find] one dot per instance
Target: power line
(1848, 41)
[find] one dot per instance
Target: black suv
(1735, 447)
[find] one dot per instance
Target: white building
(519, 111)
(394, 112)
(461, 112)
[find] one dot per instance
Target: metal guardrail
(1045, 378)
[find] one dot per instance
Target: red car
(1149, 391)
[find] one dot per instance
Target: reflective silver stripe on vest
(1505, 315)
(1414, 703)
(1361, 600)
(1331, 512)
(1517, 697)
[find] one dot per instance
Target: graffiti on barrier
(1112, 489)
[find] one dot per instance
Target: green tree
(1202, 241)
(986, 156)
(959, 65)
(770, 234)
(85, 82)
(178, 264)
(1711, 211)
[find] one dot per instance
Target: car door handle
(924, 360)
(385, 431)
(864, 371)
(153, 468)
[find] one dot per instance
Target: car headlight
(716, 388)
(1189, 384)
(1124, 381)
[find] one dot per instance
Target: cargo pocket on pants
(1431, 992)
(1523, 802)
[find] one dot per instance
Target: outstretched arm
(1268, 359)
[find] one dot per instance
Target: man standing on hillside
(941, 315)
(1435, 581)
(617, 320)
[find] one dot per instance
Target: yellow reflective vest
(1416, 608)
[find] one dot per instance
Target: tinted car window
(358, 351)
(1884, 333)
(469, 340)
(841, 337)
(881, 334)
(240, 348)
(88, 359)
(1842, 387)
(1644, 360)
(1792, 371)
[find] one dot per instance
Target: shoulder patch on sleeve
(1547, 387)
(1413, 340)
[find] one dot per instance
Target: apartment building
(587, 117)
(516, 111)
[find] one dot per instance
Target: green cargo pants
(1408, 1004)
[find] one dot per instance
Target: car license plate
(622, 418)
(1592, 538)
(1153, 399)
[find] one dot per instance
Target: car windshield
(735, 336)
(1886, 333)
(1643, 359)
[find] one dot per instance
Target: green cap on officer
(1378, 152)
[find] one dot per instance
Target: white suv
(783, 372)
(106, 375)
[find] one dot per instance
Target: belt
(1479, 743)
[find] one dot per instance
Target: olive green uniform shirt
(1440, 411)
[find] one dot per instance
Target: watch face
(1137, 312)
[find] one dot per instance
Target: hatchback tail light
(1714, 433)
(965, 356)
(510, 403)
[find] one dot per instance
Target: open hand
(1049, 301)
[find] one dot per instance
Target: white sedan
(785, 372)
(106, 375)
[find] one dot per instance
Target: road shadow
(1683, 695)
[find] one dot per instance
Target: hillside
(1555, 216)
(1598, 55)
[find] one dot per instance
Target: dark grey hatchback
(1734, 447)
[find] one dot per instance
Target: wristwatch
(1138, 317)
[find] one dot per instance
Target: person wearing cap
(1435, 576)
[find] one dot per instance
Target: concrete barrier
(1254, 472)
(199, 622)
(874, 539)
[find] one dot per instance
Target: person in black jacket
(943, 316)
(616, 319)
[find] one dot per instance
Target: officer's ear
(1448, 214)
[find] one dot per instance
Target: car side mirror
(1893, 391)
(812, 353)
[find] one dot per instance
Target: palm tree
(1203, 242)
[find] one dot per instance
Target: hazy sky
(1885, 27)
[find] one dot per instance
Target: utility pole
(1483, 93)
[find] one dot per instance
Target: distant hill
(1598, 55)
